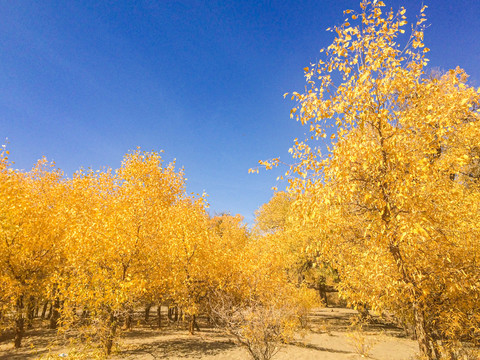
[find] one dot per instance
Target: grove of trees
(104, 243)
(386, 212)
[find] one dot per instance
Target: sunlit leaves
(31, 232)
(398, 193)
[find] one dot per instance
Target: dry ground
(329, 336)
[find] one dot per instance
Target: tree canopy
(394, 203)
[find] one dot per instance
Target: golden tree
(230, 237)
(119, 222)
(395, 201)
(272, 216)
(190, 250)
(31, 231)
(276, 225)
(252, 296)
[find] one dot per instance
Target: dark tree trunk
(129, 319)
(147, 312)
(55, 314)
(173, 314)
(19, 330)
(19, 323)
(192, 326)
(323, 294)
(111, 330)
(30, 312)
(50, 311)
(44, 310)
(159, 316)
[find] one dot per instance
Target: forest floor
(329, 336)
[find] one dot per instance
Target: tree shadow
(341, 319)
(34, 344)
(320, 348)
(184, 347)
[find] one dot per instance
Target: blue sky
(83, 82)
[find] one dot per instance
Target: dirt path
(329, 337)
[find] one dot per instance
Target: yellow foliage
(31, 229)
(394, 204)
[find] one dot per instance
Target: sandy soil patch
(329, 337)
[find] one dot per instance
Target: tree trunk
(30, 312)
(323, 294)
(129, 318)
(173, 314)
(424, 339)
(19, 323)
(44, 310)
(159, 316)
(50, 310)
(111, 330)
(423, 334)
(19, 330)
(55, 314)
(147, 312)
(193, 325)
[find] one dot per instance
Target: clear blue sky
(82, 82)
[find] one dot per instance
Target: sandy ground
(329, 337)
